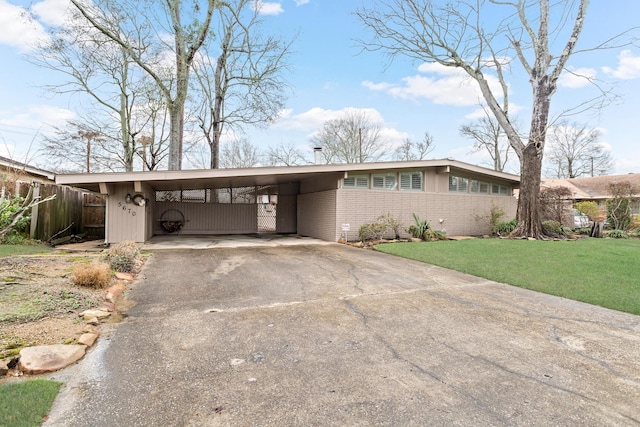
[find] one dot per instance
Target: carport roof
(220, 178)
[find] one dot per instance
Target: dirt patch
(38, 302)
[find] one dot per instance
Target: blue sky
(329, 75)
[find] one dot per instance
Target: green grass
(26, 403)
(11, 250)
(603, 272)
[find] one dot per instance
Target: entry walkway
(180, 241)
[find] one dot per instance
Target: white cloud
(442, 85)
(19, 29)
(267, 8)
(628, 66)
(301, 2)
(577, 77)
(51, 12)
(313, 119)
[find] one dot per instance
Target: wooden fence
(72, 212)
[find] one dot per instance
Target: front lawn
(604, 272)
(26, 403)
(13, 250)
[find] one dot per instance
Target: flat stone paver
(334, 336)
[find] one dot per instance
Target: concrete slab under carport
(180, 241)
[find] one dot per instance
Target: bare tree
(140, 29)
(574, 150)
(77, 148)
(488, 136)
(453, 35)
(104, 71)
(239, 78)
(239, 154)
(286, 155)
(411, 150)
(352, 138)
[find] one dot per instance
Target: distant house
(322, 201)
(596, 189)
(13, 173)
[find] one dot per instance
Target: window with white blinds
(385, 182)
(356, 181)
(411, 181)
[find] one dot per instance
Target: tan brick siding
(458, 211)
(317, 215)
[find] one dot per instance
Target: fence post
(34, 211)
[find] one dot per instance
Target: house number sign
(126, 209)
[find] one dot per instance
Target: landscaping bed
(39, 304)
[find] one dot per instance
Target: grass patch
(603, 272)
(13, 250)
(26, 403)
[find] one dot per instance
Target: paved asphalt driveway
(332, 335)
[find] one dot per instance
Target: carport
(202, 202)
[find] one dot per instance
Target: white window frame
(359, 181)
(389, 181)
(457, 187)
(411, 182)
(478, 185)
(502, 190)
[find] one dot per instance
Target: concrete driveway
(332, 335)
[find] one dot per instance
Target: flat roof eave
(194, 178)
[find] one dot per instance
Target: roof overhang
(261, 176)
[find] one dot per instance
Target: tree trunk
(529, 223)
(175, 137)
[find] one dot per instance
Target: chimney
(317, 155)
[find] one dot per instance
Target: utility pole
(360, 141)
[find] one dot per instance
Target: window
(356, 181)
(386, 182)
(458, 184)
(479, 187)
(411, 180)
(501, 190)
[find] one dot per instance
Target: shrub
(590, 209)
(9, 209)
(95, 275)
(371, 231)
(381, 226)
(421, 226)
(584, 231)
(493, 218)
(552, 226)
(505, 227)
(123, 256)
(618, 234)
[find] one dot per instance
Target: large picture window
(385, 182)
(411, 181)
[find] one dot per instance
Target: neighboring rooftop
(6, 163)
(596, 187)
